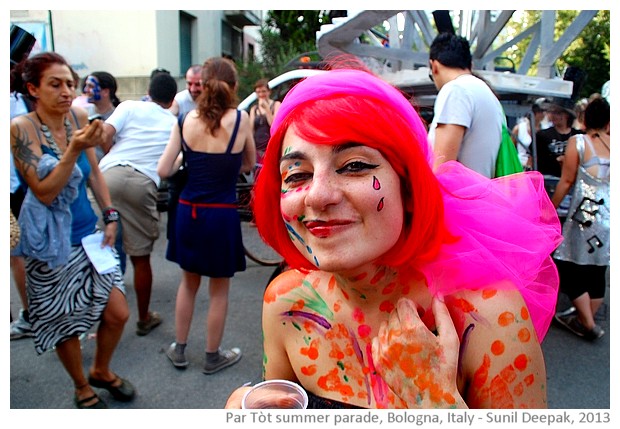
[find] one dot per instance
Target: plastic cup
(275, 394)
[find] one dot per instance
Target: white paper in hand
(102, 258)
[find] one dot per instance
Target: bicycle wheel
(255, 248)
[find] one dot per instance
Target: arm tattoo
(22, 151)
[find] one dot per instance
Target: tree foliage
(285, 34)
(590, 51)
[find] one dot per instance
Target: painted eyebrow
(336, 149)
(292, 155)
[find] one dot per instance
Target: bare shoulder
(490, 314)
(245, 116)
(499, 349)
(487, 303)
(81, 114)
(283, 285)
(24, 133)
(21, 121)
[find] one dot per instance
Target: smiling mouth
(323, 229)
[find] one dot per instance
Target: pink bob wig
(462, 231)
(347, 105)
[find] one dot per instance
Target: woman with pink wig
(408, 288)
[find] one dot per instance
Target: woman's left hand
(419, 366)
(109, 234)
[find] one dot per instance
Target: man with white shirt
(468, 117)
(136, 135)
(185, 100)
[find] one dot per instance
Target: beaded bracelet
(110, 214)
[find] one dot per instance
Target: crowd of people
(409, 281)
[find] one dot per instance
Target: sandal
(123, 392)
(81, 403)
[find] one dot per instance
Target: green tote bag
(507, 158)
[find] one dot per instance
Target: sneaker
(145, 327)
(595, 333)
(176, 357)
(572, 323)
(20, 328)
(570, 311)
(226, 359)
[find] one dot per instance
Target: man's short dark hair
(451, 50)
(162, 88)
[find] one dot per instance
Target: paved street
(578, 371)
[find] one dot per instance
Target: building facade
(131, 43)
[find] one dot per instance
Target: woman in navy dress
(217, 144)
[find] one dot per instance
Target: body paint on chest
(311, 299)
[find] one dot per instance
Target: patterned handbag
(15, 231)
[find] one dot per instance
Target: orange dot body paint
(336, 352)
(518, 389)
(331, 284)
(488, 293)
(298, 305)
(529, 379)
(506, 318)
(312, 352)
(464, 305)
(308, 370)
(524, 313)
(497, 348)
(332, 382)
(521, 362)
(524, 335)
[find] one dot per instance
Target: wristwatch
(110, 215)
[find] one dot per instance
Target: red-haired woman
(54, 150)
(408, 289)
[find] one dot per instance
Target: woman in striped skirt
(54, 151)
